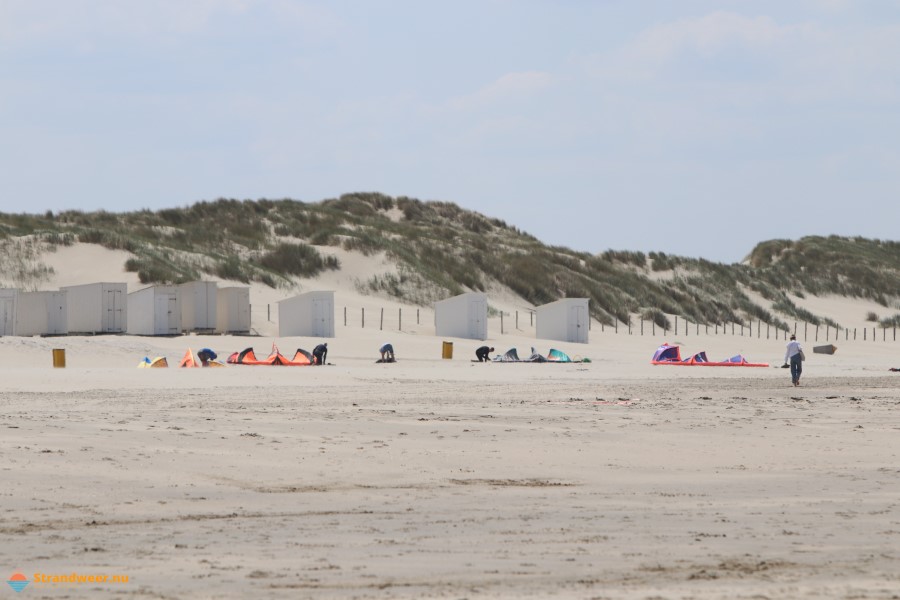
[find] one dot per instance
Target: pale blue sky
(690, 127)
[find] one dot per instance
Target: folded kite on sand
(671, 355)
(153, 363)
(301, 358)
(554, 356)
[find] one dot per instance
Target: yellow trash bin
(59, 358)
(448, 350)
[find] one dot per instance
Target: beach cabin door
(7, 315)
(577, 325)
(321, 323)
(477, 326)
(56, 313)
(172, 323)
(165, 320)
(115, 307)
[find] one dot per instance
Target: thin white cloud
(657, 47)
(760, 60)
(36, 21)
(509, 87)
(709, 34)
(24, 22)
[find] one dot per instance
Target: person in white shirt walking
(794, 354)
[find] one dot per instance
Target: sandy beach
(444, 478)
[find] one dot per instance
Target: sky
(689, 127)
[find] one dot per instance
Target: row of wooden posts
(400, 319)
(363, 316)
(735, 328)
(784, 332)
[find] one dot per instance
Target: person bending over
(205, 355)
(482, 354)
(319, 353)
(387, 353)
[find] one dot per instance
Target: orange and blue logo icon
(17, 581)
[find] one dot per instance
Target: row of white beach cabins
(202, 306)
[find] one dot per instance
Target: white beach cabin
(41, 313)
(310, 314)
(198, 305)
(233, 310)
(463, 316)
(565, 320)
(96, 307)
(155, 310)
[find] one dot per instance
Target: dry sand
(445, 478)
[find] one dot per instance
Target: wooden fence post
(399, 319)
(676, 325)
(364, 317)
(381, 325)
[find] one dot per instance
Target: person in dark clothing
(387, 352)
(319, 353)
(482, 354)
